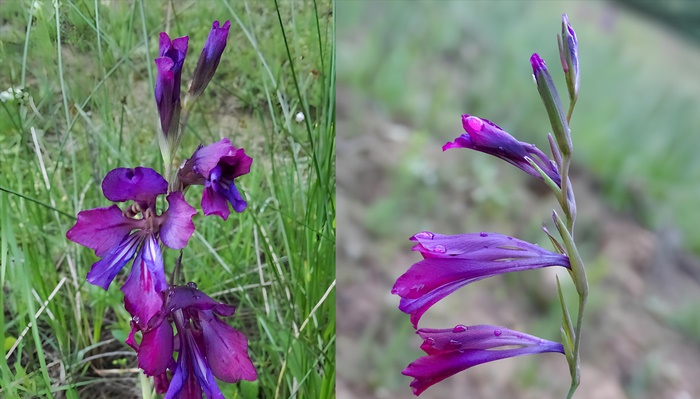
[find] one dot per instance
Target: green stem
(576, 377)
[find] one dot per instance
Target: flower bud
(568, 52)
(209, 58)
(552, 103)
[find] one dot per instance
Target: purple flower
(116, 235)
(209, 58)
(451, 262)
(167, 90)
(215, 167)
(485, 136)
(207, 347)
(453, 350)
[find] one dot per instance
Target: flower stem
(576, 377)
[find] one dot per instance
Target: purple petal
(226, 350)
(101, 229)
(104, 270)
(140, 184)
(156, 350)
(201, 369)
(429, 370)
(235, 164)
(417, 307)
(485, 136)
(178, 227)
(142, 299)
(483, 337)
(235, 198)
(214, 203)
(189, 296)
(165, 94)
(207, 158)
(476, 246)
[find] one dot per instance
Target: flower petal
(226, 350)
(206, 158)
(483, 337)
(431, 369)
(214, 203)
(178, 226)
(417, 307)
(156, 349)
(189, 296)
(101, 229)
(235, 164)
(142, 299)
(476, 246)
(202, 369)
(139, 184)
(104, 270)
(235, 198)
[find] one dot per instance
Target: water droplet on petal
(510, 238)
(459, 328)
(440, 249)
(192, 285)
(429, 341)
(501, 149)
(455, 344)
(424, 235)
(497, 333)
(483, 234)
(136, 319)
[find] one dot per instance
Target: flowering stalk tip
(568, 53)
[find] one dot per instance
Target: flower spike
(209, 58)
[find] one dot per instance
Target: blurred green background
(406, 72)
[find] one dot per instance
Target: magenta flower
(209, 58)
(453, 350)
(207, 347)
(485, 136)
(451, 262)
(167, 89)
(116, 235)
(215, 167)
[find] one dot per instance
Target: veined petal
(485, 136)
(482, 337)
(476, 246)
(104, 270)
(431, 369)
(226, 350)
(156, 349)
(202, 370)
(235, 198)
(141, 298)
(206, 158)
(139, 184)
(178, 226)
(153, 258)
(101, 229)
(190, 297)
(214, 203)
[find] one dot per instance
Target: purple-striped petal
(178, 227)
(101, 229)
(142, 299)
(431, 369)
(156, 350)
(226, 350)
(214, 203)
(482, 337)
(103, 271)
(139, 184)
(485, 136)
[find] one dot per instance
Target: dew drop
(497, 333)
(510, 238)
(455, 344)
(136, 319)
(475, 123)
(440, 249)
(418, 287)
(459, 328)
(483, 234)
(192, 285)
(429, 341)
(424, 235)
(501, 149)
